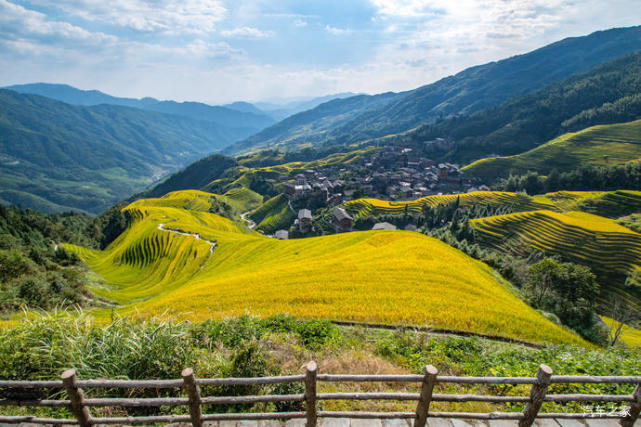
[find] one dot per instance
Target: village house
(282, 234)
(342, 220)
(304, 220)
(384, 226)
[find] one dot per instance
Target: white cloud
(162, 16)
(405, 8)
(300, 23)
(25, 30)
(337, 31)
(246, 33)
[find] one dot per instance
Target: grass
(42, 346)
(597, 145)
(610, 249)
(360, 276)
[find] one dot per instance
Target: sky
(220, 51)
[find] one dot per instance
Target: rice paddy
(392, 277)
(610, 249)
(518, 202)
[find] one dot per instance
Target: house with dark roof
(342, 220)
(304, 220)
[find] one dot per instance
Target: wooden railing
(79, 404)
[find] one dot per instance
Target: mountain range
(56, 156)
(63, 148)
(241, 121)
(474, 89)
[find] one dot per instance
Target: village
(393, 173)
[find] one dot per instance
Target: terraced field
(611, 250)
(360, 276)
(364, 207)
(597, 145)
(612, 204)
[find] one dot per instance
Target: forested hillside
(55, 156)
(606, 94)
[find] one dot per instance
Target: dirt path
(251, 224)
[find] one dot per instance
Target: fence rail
(80, 405)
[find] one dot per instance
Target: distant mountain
(244, 107)
(244, 122)
(280, 110)
(312, 126)
(74, 96)
(56, 156)
(465, 93)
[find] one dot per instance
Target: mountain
(56, 156)
(244, 107)
(467, 92)
(311, 127)
(244, 123)
(280, 109)
(195, 176)
(610, 93)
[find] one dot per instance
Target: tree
(541, 279)
(567, 290)
(621, 313)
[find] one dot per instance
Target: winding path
(196, 236)
(251, 224)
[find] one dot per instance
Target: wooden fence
(80, 405)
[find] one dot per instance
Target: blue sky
(220, 51)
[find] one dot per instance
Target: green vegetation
(602, 145)
(55, 156)
(632, 221)
(42, 346)
(35, 271)
(567, 290)
(584, 178)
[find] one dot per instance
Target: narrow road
(251, 224)
(196, 236)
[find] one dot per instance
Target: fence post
(76, 396)
(310, 394)
(537, 394)
(429, 381)
(195, 410)
(634, 410)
